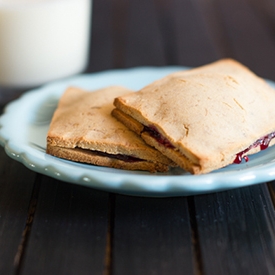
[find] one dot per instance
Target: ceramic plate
(25, 123)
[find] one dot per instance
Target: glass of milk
(42, 40)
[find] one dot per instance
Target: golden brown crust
(83, 121)
(128, 121)
(90, 157)
(208, 114)
(173, 154)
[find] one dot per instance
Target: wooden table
(52, 227)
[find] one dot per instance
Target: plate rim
(124, 183)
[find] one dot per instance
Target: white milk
(42, 40)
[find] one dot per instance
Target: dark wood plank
(69, 231)
(271, 188)
(120, 24)
(236, 231)
(101, 49)
(16, 187)
(186, 38)
(238, 27)
(9, 94)
(214, 25)
(167, 33)
(233, 232)
(151, 236)
(144, 43)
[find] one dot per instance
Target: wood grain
(236, 231)
(241, 33)
(101, 49)
(51, 227)
(16, 187)
(69, 231)
(185, 36)
(152, 236)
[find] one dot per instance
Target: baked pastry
(83, 130)
(204, 118)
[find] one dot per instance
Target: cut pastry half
(83, 130)
(205, 118)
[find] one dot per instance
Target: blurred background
(132, 33)
(128, 33)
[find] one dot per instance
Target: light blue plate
(25, 123)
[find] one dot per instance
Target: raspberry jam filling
(118, 156)
(153, 132)
(262, 142)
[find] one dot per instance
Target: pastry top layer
(83, 119)
(209, 113)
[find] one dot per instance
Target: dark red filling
(118, 156)
(153, 132)
(262, 142)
